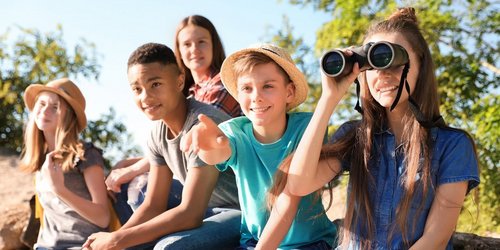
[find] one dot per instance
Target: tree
(464, 40)
(38, 58)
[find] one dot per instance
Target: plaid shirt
(214, 93)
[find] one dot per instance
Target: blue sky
(118, 27)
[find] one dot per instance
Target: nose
(256, 95)
(145, 95)
(45, 109)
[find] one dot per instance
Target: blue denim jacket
(453, 160)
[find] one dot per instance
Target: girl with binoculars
(409, 171)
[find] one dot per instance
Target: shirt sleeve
(341, 132)
(458, 162)
(154, 154)
(93, 156)
(229, 132)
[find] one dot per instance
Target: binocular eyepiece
(379, 55)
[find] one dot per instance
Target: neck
(175, 121)
(200, 75)
(50, 140)
(395, 118)
(269, 134)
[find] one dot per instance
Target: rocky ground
(16, 189)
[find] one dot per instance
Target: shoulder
(299, 119)
(344, 129)
(93, 155)
(195, 108)
(237, 123)
(89, 148)
(452, 139)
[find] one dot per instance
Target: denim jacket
(452, 160)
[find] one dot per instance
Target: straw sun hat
(66, 89)
(278, 55)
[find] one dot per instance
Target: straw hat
(278, 55)
(66, 89)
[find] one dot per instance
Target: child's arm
(208, 141)
(280, 220)
(443, 216)
(123, 174)
(96, 210)
(307, 172)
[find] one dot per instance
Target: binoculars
(379, 55)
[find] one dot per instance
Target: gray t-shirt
(63, 227)
(164, 151)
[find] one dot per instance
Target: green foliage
(109, 134)
(463, 37)
(38, 58)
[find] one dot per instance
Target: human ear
(180, 82)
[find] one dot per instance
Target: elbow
(191, 219)
(103, 219)
(297, 189)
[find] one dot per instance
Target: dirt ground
(16, 187)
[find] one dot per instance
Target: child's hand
(52, 172)
(337, 87)
(204, 136)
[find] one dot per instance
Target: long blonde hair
(70, 149)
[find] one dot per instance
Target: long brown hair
(356, 146)
(69, 148)
(217, 48)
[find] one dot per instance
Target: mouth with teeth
(387, 89)
(150, 108)
(259, 109)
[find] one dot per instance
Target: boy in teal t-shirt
(267, 84)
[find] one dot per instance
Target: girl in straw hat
(409, 171)
(69, 174)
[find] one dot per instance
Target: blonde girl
(69, 174)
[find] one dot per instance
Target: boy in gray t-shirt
(157, 84)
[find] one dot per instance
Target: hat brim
(35, 89)
(230, 79)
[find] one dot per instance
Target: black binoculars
(379, 55)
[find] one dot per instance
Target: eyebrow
(147, 81)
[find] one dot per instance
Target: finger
(206, 121)
(87, 243)
(222, 141)
(112, 195)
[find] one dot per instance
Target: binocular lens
(381, 55)
(333, 63)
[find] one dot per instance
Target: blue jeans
(220, 228)
(318, 245)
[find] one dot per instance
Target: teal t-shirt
(254, 165)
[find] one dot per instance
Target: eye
(136, 90)
(245, 89)
(155, 84)
(268, 86)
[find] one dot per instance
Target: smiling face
(47, 112)
(157, 89)
(263, 94)
(195, 45)
(383, 84)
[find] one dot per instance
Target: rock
(12, 222)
